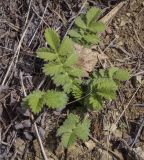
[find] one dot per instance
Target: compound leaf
(68, 139)
(95, 102)
(111, 71)
(72, 129)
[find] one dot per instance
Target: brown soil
(123, 43)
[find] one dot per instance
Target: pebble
(128, 14)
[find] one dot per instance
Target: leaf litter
(8, 127)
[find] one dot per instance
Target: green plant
(104, 85)
(61, 65)
(87, 28)
(73, 129)
(61, 61)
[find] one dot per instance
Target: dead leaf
(88, 58)
(106, 19)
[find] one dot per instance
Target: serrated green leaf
(76, 72)
(68, 139)
(111, 71)
(107, 94)
(55, 99)
(61, 79)
(105, 83)
(35, 101)
(93, 15)
(97, 27)
(68, 124)
(121, 75)
(80, 23)
(82, 130)
(45, 54)
(67, 87)
(66, 46)
(52, 69)
(75, 34)
(95, 102)
(77, 92)
(91, 38)
(52, 38)
(71, 60)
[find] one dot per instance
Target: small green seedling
(87, 28)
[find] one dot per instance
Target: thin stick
(138, 133)
(35, 125)
(84, 3)
(116, 123)
(104, 147)
(39, 24)
(28, 13)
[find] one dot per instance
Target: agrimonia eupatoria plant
(61, 65)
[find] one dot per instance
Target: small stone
(128, 14)
(122, 23)
(120, 43)
(109, 30)
(90, 145)
(116, 36)
(20, 145)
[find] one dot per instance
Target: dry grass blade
(116, 123)
(105, 148)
